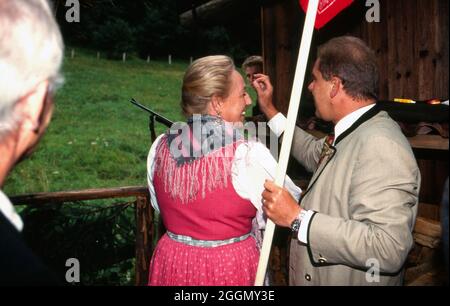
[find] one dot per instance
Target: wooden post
(124, 57)
(144, 238)
(170, 59)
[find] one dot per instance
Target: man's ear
(336, 86)
(29, 107)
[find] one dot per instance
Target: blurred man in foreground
(31, 51)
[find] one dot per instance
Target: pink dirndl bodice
(197, 199)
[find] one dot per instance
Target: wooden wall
(411, 42)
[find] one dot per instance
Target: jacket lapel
(331, 150)
(365, 117)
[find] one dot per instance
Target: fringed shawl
(196, 157)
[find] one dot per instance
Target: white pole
(294, 104)
(124, 56)
(170, 59)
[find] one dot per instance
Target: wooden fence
(421, 265)
(146, 228)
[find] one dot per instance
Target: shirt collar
(348, 120)
(7, 209)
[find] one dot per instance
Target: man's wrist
(270, 112)
(296, 222)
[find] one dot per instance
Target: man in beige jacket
(354, 222)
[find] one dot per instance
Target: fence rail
(146, 228)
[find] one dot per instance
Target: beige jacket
(366, 198)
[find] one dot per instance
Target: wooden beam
(434, 142)
(281, 22)
(144, 238)
(207, 11)
(426, 241)
(428, 227)
(79, 195)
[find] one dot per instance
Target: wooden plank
(428, 227)
(144, 238)
(411, 43)
(434, 142)
(441, 77)
(268, 45)
(407, 64)
(426, 241)
(392, 51)
(379, 43)
(425, 52)
(429, 211)
(207, 11)
(281, 22)
(434, 172)
(79, 195)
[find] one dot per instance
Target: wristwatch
(295, 225)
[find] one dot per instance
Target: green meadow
(97, 138)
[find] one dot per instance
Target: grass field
(97, 138)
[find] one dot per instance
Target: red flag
(328, 9)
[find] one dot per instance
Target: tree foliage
(147, 27)
(114, 37)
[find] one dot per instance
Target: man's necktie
(326, 149)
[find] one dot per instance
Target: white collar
(9, 212)
(348, 120)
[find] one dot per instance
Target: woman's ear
(217, 104)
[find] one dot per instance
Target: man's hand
(264, 89)
(279, 205)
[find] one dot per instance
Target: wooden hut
(411, 42)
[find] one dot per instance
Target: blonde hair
(206, 77)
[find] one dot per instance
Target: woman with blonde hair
(206, 179)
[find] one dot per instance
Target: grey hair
(31, 51)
